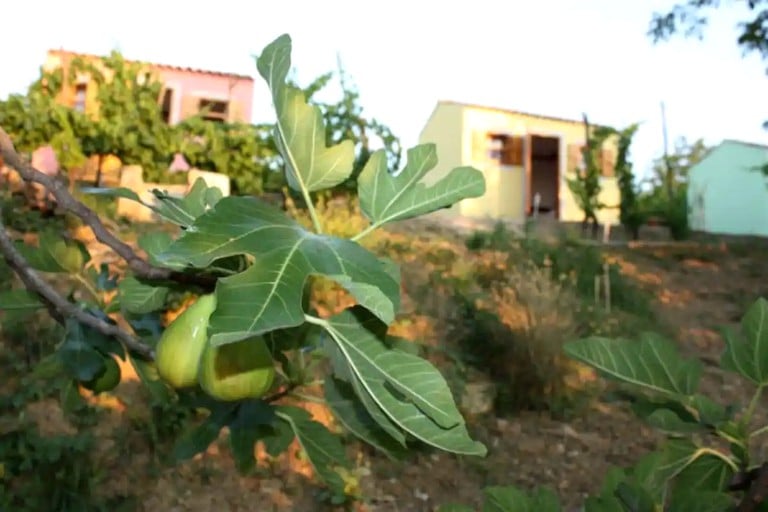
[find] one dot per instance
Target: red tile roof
(62, 52)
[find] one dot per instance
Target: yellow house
(526, 159)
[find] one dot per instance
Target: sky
(550, 57)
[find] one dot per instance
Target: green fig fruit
(237, 371)
(106, 380)
(182, 343)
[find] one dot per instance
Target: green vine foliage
(35, 119)
(631, 215)
(127, 121)
(239, 150)
(381, 392)
(586, 185)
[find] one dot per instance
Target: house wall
(189, 86)
(444, 130)
(505, 196)
(726, 194)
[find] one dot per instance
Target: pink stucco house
(186, 90)
(227, 97)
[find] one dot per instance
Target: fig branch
(758, 490)
(66, 201)
(59, 307)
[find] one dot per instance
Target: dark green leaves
(340, 397)
(324, 450)
(197, 439)
(299, 132)
(19, 300)
(386, 198)
(83, 350)
(137, 297)
(747, 352)
(183, 211)
(254, 419)
(511, 499)
(55, 254)
(396, 387)
(180, 211)
(268, 295)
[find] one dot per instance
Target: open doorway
(544, 176)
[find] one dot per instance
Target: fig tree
(106, 380)
(182, 343)
(237, 371)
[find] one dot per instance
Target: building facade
(526, 159)
(186, 91)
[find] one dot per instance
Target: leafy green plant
(577, 263)
(586, 185)
(35, 119)
(676, 214)
(238, 150)
(706, 462)
(631, 215)
(257, 263)
(523, 318)
(126, 120)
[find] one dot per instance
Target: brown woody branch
(141, 268)
(59, 307)
(758, 490)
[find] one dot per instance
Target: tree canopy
(126, 121)
(691, 18)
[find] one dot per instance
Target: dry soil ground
(696, 290)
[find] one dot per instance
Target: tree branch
(65, 200)
(59, 307)
(758, 490)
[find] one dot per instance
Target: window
(80, 95)
(214, 110)
(166, 105)
(575, 158)
(506, 149)
(606, 162)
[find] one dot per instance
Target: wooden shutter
(606, 162)
(512, 154)
(575, 157)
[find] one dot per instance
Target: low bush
(709, 460)
(567, 259)
(514, 326)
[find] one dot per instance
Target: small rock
(420, 495)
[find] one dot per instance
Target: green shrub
(566, 260)
(676, 215)
(500, 238)
(512, 322)
(580, 264)
(708, 461)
